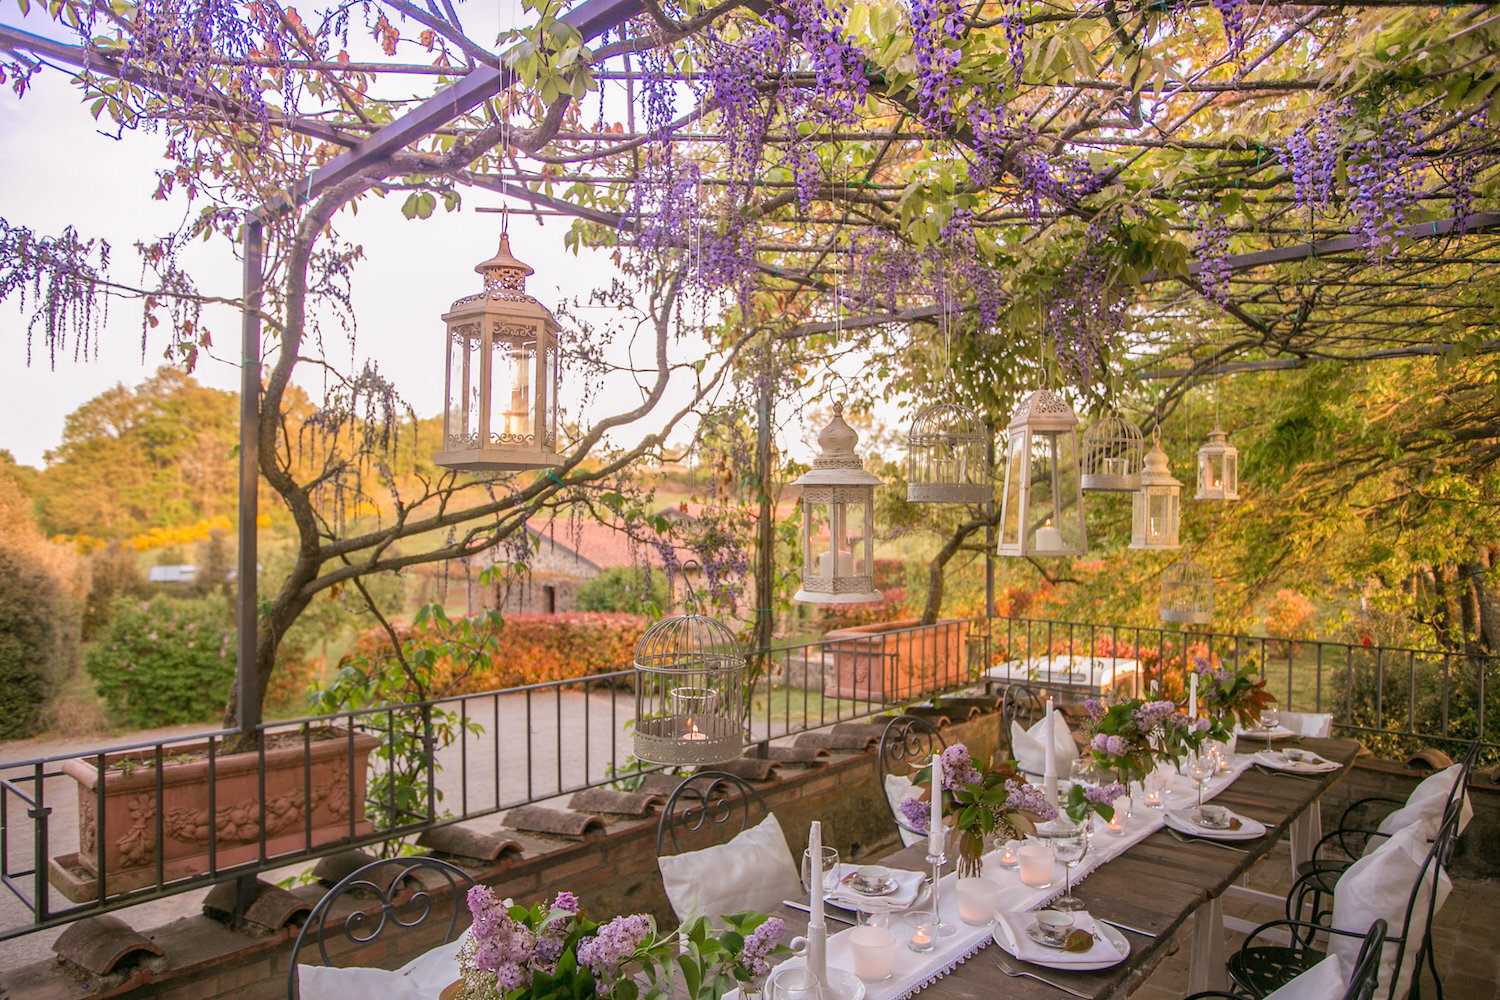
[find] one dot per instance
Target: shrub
(627, 589)
(1288, 615)
(890, 608)
(166, 662)
(38, 636)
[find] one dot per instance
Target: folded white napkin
(1029, 746)
(908, 887)
(1310, 763)
(1011, 927)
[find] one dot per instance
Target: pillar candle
(817, 932)
(1049, 775)
(1193, 695)
(935, 820)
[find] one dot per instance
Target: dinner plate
(1279, 733)
(1181, 821)
(1104, 930)
(1277, 761)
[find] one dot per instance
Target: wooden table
(1154, 886)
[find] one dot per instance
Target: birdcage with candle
(1187, 594)
(947, 456)
(689, 692)
(1111, 462)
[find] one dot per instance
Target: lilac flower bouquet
(979, 803)
(556, 952)
(1130, 737)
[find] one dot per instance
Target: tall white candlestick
(1193, 695)
(935, 819)
(817, 933)
(1049, 774)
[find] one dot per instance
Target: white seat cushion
(1029, 746)
(1379, 886)
(1316, 724)
(423, 978)
(1425, 805)
(1325, 981)
(754, 871)
(899, 788)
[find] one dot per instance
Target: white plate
(1279, 733)
(1107, 932)
(1276, 762)
(1178, 820)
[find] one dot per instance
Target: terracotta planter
(317, 781)
(894, 661)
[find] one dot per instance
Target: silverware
(826, 915)
(1011, 968)
(1184, 838)
(1288, 774)
(1125, 927)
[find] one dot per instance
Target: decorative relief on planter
(892, 661)
(310, 802)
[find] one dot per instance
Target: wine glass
(1070, 842)
(1270, 718)
(793, 984)
(830, 870)
(1200, 769)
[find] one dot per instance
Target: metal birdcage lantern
(689, 692)
(1187, 594)
(1156, 508)
(1112, 450)
(1218, 468)
(1041, 511)
(947, 456)
(838, 496)
(501, 411)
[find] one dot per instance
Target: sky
(58, 168)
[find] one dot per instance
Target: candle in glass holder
(921, 934)
(1007, 856)
(1116, 823)
(873, 950)
(976, 900)
(1036, 861)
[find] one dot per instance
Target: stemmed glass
(1200, 769)
(830, 870)
(1070, 842)
(1270, 718)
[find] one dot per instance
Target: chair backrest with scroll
(1019, 704)
(906, 746)
(407, 890)
(720, 850)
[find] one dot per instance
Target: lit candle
(1193, 695)
(845, 563)
(1008, 857)
(694, 733)
(1049, 773)
(1048, 537)
(1036, 865)
(1155, 527)
(935, 818)
(1122, 810)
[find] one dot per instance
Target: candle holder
(942, 928)
(1006, 857)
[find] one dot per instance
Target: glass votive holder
(1116, 823)
(921, 931)
(976, 900)
(873, 950)
(1036, 861)
(1006, 857)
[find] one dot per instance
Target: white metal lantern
(502, 374)
(1187, 594)
(1041, 512)
(689, 692)
(1218, 468)
(1155, 509)
(947, 456)
(838, 496)
(1112, 450)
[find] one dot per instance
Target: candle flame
(1047, 523)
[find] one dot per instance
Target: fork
(1010, 968)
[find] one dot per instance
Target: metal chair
(906, 746)
(1021, 704)
(1262, 969)
(1362, 980)
(406, 901)
(704, 807)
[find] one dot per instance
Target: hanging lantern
(1041, 511)
(1187, 594)
(502, 374)
(1218, 468)
(838, 496)
(689, 692)
(1112, 456)
(1155, 509)
(947, 456)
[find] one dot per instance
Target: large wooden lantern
(1156, 508)
(1041, 512)
(1218, 468)
(948, 456)
(838, 497)
(502, 374)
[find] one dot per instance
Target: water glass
(830, 870)
(793, 984)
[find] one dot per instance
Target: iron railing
(529, 744)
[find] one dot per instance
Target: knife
(827, 916)
(1125, 927)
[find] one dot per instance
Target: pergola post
(247, 675)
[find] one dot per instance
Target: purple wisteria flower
(918, 815)
(760, 943)
(958, 768)
(1028, 798)
(613, 944)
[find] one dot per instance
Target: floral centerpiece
(1130, 737)
(1230, 695)
(556, 953)
(978, 804)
